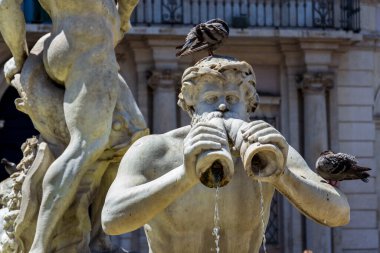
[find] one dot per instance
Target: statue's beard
(207, 116)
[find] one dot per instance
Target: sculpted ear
(188, 94)
(256, 103)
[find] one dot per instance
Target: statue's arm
(133, 198)
(12, 28)
(311, 194)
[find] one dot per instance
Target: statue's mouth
(207, 116)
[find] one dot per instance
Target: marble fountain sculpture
(161, 182)
(69, 86)
(87, 118)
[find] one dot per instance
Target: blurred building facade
(317, 64)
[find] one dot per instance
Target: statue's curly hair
(216, 66)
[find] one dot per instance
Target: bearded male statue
(158, 182)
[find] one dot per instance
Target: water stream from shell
(262, 214)
(216, 229)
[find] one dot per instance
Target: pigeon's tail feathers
(179, 53)
(182, 51)
(361, 168)
(363, 175)
(183, 48)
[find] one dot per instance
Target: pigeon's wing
(347, 157)
(335, 164)
(192, 35)
(195, 48)
(332, 167)
(193, 39)
(214, 33)
(347, 168)
(328, 168)
(220, 23)
(354, 171)
(203, 36)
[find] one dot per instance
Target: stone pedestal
(314, 88)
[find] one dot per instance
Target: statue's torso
(83, 33)
(57, 8)
(186, 225)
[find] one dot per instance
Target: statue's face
(217, 95)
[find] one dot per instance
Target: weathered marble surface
(70, 87)
(157, 185)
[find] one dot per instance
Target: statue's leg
(100, 242)
(72, 232)
(90, 98)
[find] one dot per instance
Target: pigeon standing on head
(204, 36)
(337, 167)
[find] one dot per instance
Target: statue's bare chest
(238, 204)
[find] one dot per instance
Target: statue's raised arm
(12, 28)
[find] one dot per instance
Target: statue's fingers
(276, 139)
(255, 129)
(208, 130)
(208, 125)
(263, 132)
(205, 145)
(208, 137)
(250, 124)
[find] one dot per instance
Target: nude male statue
(157, 187)
(78, 55)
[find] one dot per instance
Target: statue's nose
(222, 107)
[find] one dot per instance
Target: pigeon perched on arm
(204, 36)
(336, 167)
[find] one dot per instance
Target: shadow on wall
(15, 128)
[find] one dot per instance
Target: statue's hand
(264, 133)
(202, 137)
(11, 68)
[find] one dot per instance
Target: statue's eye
(211, 99)
(232, 99)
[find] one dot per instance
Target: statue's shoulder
(155, 151)
(159, 144)
(177, 134)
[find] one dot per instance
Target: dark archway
(15, 128)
